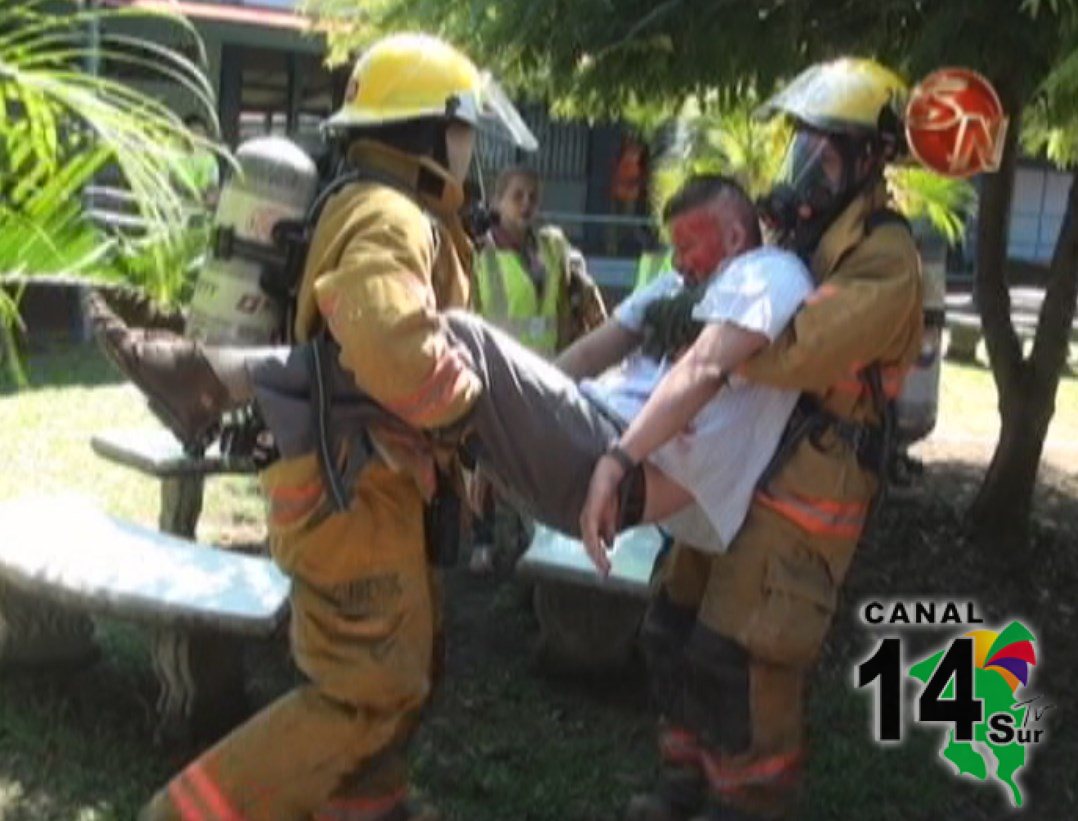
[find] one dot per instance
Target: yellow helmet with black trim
(414, 76)
(848, 95)
(848, 123)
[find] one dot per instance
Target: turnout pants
(364, 599)
(729, 640)
(364, 623)
(533, 431)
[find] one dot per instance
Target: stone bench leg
(200, 673)
(963, 343)
(202, 693)
(36, 633)
(181, 505)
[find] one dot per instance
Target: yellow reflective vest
(650, 265)
(508, 297)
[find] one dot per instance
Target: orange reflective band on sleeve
(360, 808)
(287, 504)
(821, 517)
(436, 393)
(198, 798)
(892, 378)
(328, 305)
(825, 291)
(725, 777)
(184, 803)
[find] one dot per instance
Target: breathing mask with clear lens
(815, 183)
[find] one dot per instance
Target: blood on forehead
(698, 242)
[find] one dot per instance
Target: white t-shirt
(626, 387)
(720, 457)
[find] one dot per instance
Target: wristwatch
(621, 456)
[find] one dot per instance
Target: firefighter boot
(182, 389)
(137, 310)
(679, 794)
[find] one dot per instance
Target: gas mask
(817, 181)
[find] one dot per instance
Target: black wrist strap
(619, 454)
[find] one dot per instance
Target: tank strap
(809, 420)
(887, 412)
(873, 444)
(339, 471)
(292, 240)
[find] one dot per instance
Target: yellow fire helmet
(849, 95)
(411, 76)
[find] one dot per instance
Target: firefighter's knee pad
(717, 702)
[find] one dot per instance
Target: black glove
(668, 323)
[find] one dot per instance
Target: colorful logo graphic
(973, 685)
(955, 123)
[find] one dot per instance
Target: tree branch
(993, 299)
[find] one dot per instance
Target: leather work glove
(668, 324)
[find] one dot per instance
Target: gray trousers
(532, 430)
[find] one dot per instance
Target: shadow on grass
(504, 741)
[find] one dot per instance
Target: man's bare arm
(593, 353)
(690, 385)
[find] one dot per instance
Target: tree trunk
(1000, 514)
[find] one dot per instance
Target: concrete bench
(156, 453)
(63, 557)
(587, 622)
(965, 334)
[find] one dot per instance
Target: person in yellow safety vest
(730, 638)
(533, 284)
(530, 281)
(387, 255)
(651, 264)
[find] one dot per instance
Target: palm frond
(942, 202)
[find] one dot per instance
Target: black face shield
(817, 181)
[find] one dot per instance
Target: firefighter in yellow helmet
(731, 637)
(387, 254)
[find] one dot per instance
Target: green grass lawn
(74, 393)
(503, 740)
(968, 403)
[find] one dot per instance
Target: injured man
(535, 430)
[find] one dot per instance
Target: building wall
(1037, 208)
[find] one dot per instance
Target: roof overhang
(226, 13)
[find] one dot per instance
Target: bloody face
(698, 243)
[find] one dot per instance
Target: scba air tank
(277, 181)
(918, 404)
